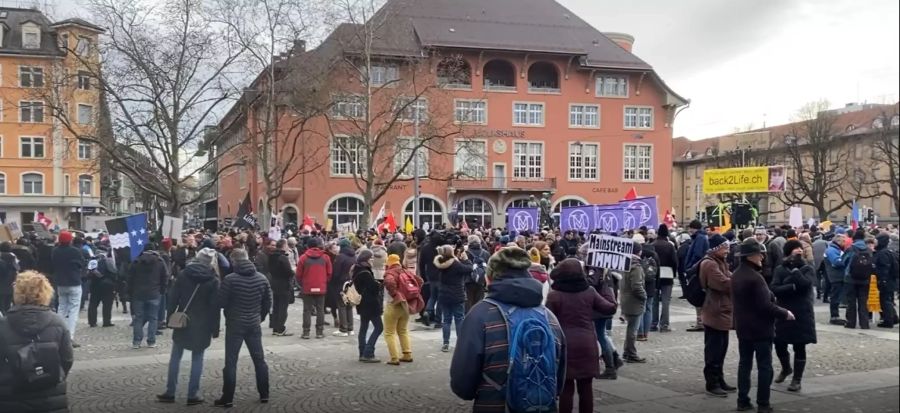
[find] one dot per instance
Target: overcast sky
(753, 61)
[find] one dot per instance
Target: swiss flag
(632, 194)
(41, 218)
(308, 221)
(389, 223)
(465, 226)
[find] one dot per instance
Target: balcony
(503, 184)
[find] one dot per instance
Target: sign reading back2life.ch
(612, 253)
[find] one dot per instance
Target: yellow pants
(396, 318)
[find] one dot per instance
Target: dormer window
(31, 36)
(83, 47)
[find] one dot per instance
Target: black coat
(8, 272)
(68, 266)
(26, 258)
(17, 329)
(280, 273)
(754, 306)
(454, 274)
(668, 257)
(203, 313)
(793, 288)
(372, 303)
(147, 277)
(340, 273)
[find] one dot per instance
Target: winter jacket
(411, 260)
(819, 246)
(426, 254)
(717, 310)
(396, 248)
(793, 284)
(147, 277)
(859, 246)
(68, 266)
(245, 296)
(574, 304)
(668, 257)
(22, 323)
(313, 272)
(372, 303)
(682, 252)
(379, 260)
(697, 250)
(482, 347)
(886, 264)
(280, 273)
(755, 311)
(808, 253)
(391, 285)
(454, 273)
(261, 260)
(774, 256)
(605, 286)
(203, 313)
(9, 270)
(569, 247)
(632, 295)
(650, 283)
(340, 274)
(834, 263)
(182, 255)
(25, 257)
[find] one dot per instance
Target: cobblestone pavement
(849, 370)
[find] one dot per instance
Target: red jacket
(314, 271)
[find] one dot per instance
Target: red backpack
(408, 286)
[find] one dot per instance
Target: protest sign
(522, 219)
(578, 218)
(172, 227)
(613, 253)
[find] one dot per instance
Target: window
(84, 149)
(638, 163)
(31, 36)
(612, 86)
(405, 147)
(84, 80)
(85, 114)
(518, 203)
(528, 114)
(2, 183)
(583, 161)
(638, 117)
(347, 156)
(351, 107)
(32, 184)
(30, 76)
(471, 111)
(430, 212)
(31, 112)
(476, 211)
(85, 185)
(383, 74)
(345, 210)
(83, 47)
(66, 185)
(410, 108)
(584, 116)
(528, 160)
(64, 42)
(471, 159)
(31, 147)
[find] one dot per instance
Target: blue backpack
(531, 384)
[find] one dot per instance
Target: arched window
(476, 211)
(499, 75)
(518, 203)
(345, 210)
(430, 212)
(86, 185)
(543, 77)
(454, 72)
(32, 184)
(289, 215)
(565, 203)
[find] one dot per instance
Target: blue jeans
(644, 326)
(69, 305)
(196, 371)
(836, 299)
(432, 307)
(161, 314)
(235, 337)
(763, 351)
(661, 306)
(367, 347)
(145, 311)
(452, 312)
(606, 344)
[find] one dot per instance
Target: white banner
(172, 227)
(613, 253)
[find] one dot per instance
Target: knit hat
(791, 245)
(364, 256)
(509, 258)
(206, 256)
(695, 224)
(166, 244)
(65, 238)
(838, 231)
(717, 241)
(534, 255)
(638, 238)
(567, 269)
(393, 259)
(663, 231)
(344, 243)
(638, 248)
(314, 242)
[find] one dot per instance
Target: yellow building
(43, 169)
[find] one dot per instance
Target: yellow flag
(408, 226)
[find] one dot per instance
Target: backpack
(531, 383)
(349, 295)
(479, 270)
(35, 366)
(650, 267)
(693, 291)
(408, 286)
(863, 266)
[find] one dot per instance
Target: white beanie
(638, 238)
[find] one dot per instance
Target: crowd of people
(491, 290)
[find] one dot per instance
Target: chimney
(624, 40)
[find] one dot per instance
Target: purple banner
(522, 219)
(609, 218)
(579, 218)
(643, 211)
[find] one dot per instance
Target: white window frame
(625, 163)
(583, 115)
(583, 159)
(89, 150)
(348, 107)
(83, 46)
(78, 114)
(380, 73)
(335, 150)
(33, 29)
(599, 83)
(528, 175)
(32, 143)
(528, 113)
(412, 105)
(462, 121)
(403, 151)
(84, 80)
(465, 169)
(31, 105)
(22, 183)
(637, 117)
(30, 71)
(90, 187)
(4, 183)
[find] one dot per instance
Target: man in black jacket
(146, 280)
(754, 319)
(281, 275)
(886, 272)
(103, 287)
(9, 268)
(668, 265)
(246, 298)
(68, 268)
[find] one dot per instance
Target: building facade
(538, 102)
(42, 168)
(856, 127)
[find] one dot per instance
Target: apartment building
(42, 168)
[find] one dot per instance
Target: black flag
(245, 216)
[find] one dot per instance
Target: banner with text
(752, 179)
(613, 253)
(522, 219)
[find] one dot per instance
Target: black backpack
(651, 268)
(863, 266)
(35, 366)
(693, 291)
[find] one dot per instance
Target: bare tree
(886, 154)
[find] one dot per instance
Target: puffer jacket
(834, 263)
(22, 323)
(245, 296)
(454, 273)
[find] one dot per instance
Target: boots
(609, 372)
(617, 361)
(799, 367)
(786, 369)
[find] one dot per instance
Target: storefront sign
(498, 133)
(607, 190)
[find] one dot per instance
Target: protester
(68, 266)
(9, 269)
(370, 307)
(194, 294)
(859, 264)
(399, 307)
(602, 280)
(716, 315)
(476, 283)
(343, 313)
(313, 272)
(835, 269)
(281, 274)
(27, 325)
(103, 289)
(650, 266)
(668, 265)
(633, 298)
(887, 270)
(146, 278)
(793, 283)
(455, 268)
(698, 247)
(246, 299)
